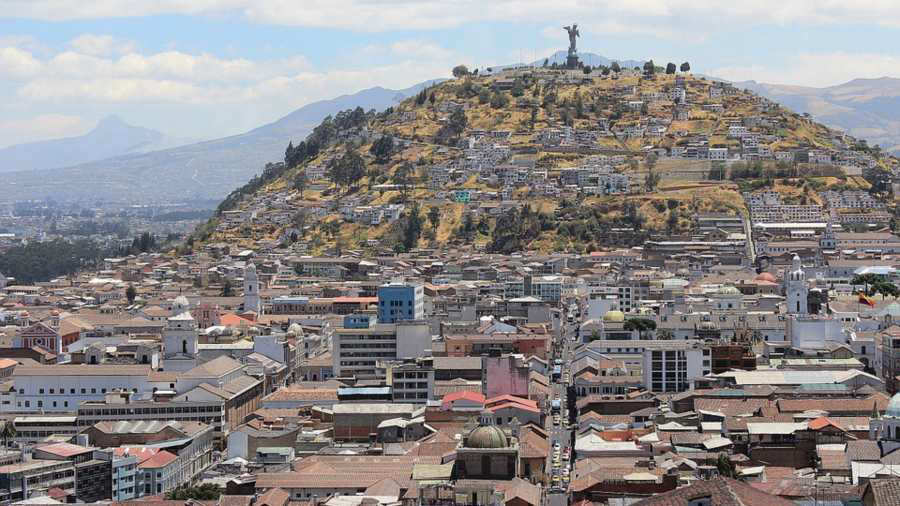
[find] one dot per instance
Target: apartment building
(359, 345)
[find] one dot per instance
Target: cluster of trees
(641, 325)
(424, 96)
(460, 71)
(650, 68)
(406, 231)
(383, 148)
(325, 134)
(875, 284)
(348, 169)
(450, 131)
(42, 261)
(515, 229)
(204, 492)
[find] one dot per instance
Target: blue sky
(208, 68)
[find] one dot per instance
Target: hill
(536, 159)
(864, 108)
(111, 137)
(202, 170)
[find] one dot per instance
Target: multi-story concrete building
(399, 301)
(35, 477)
(671, 366)
(411, 381)
(359, 345)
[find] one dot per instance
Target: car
(565, 478)
(556, 419)
(556, 479)
(565, 471)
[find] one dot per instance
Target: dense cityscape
(569, 282)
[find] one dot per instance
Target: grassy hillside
(371, 160)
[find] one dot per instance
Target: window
(71, 390)
(41, 390)
(52, 391)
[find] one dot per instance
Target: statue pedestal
(572, 61)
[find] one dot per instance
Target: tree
(653, 177)
(460, 71)
(300, 183)
(586, 69)
(402, 178)
(348, 169)
(204, 492)
(484, 96)
(685, 67)
(383, 148)
(533, 118)
(672, 221)
(641, 325)
(8, 432)
(431, 98)
(546, 62)
(130, 293)
(499, 100)
(670, 68)
(226, 288)
(615, 67)
(434, 216)
(518, 88)
(649, 68)
(725, 466)
(412, 228)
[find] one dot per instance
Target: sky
(204, 69)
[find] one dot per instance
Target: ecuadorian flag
(864, 299)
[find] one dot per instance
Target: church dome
(180, 305)
(765, 276)
(614, 316)
(893, 407)
(295, 330)
(487, 436)
(728, 290)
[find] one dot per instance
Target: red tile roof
(465, 394)
(64, 449)
(161, 459)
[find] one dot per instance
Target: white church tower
(180, 338)
(251, 290)
(796, 288)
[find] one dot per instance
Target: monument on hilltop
(572, 59)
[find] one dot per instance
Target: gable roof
(721, 491)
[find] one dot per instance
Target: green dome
(487, 436)
(614, 316)
(728, 290)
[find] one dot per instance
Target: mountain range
(204, 170)
(111, 137)
(120, 162)
(864, 108)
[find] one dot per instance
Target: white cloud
(45, 126)
(18, 63)
(381, 15)
(101, 45)
(814, 69)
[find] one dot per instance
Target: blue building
(399, 301)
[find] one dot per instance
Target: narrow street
(562, 456)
